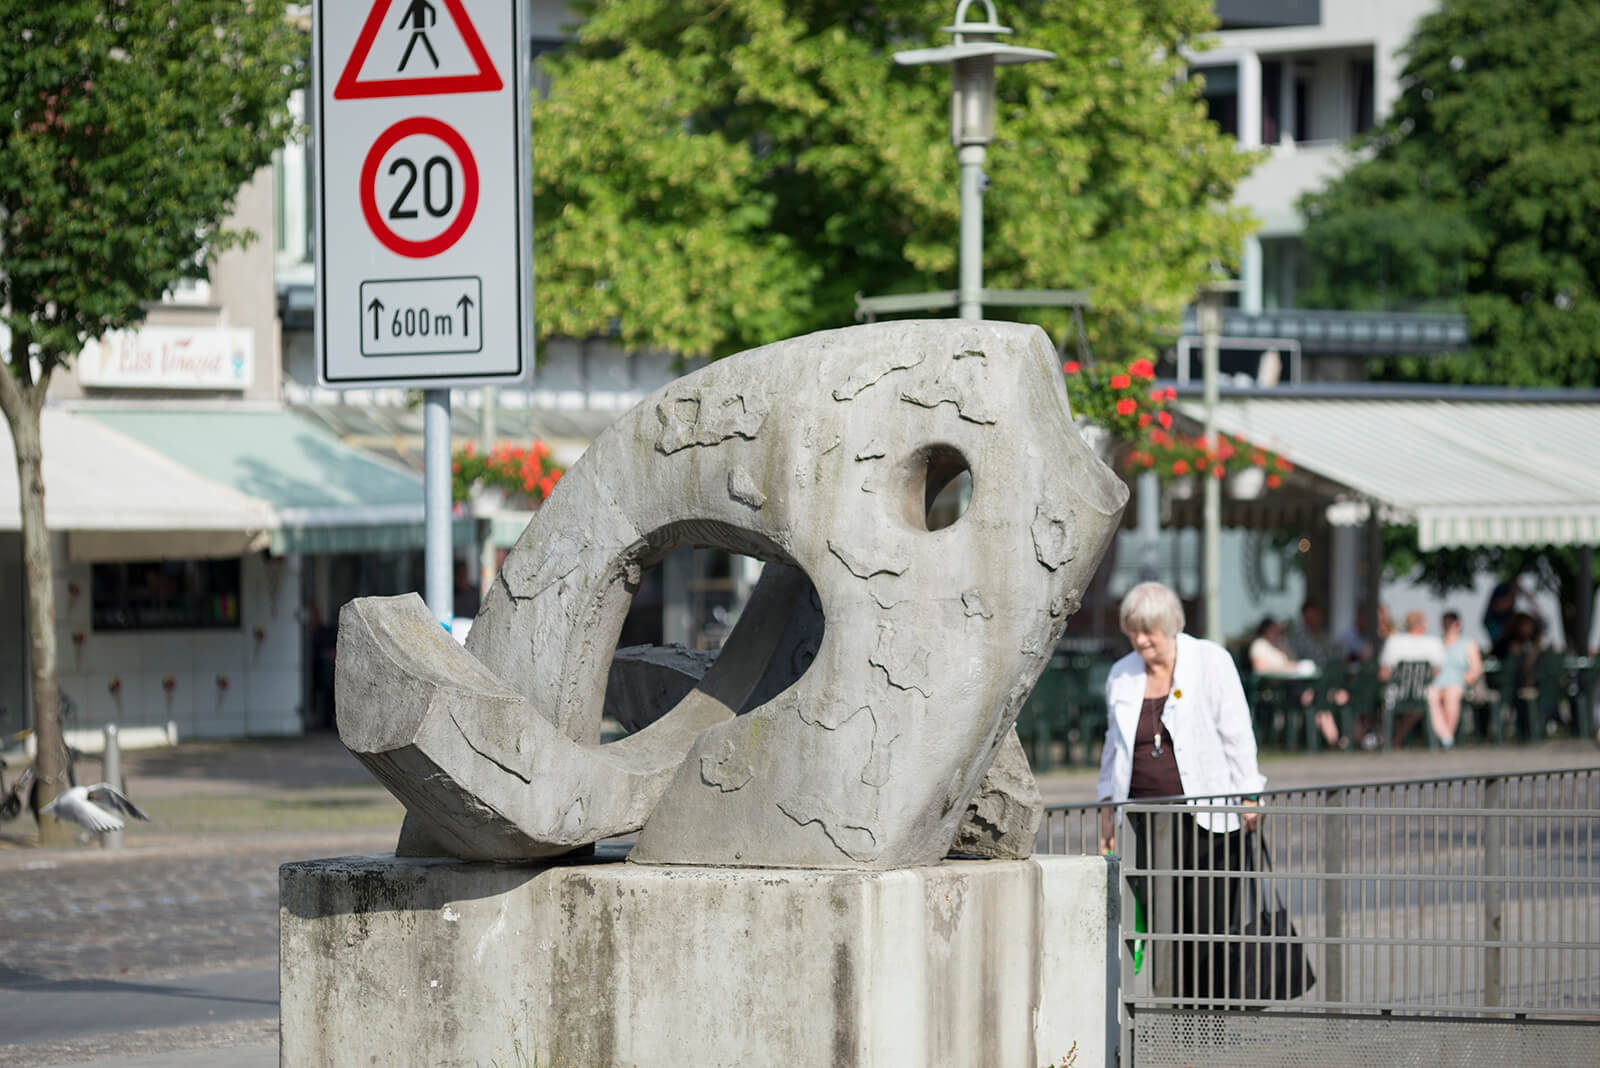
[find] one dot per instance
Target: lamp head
(972, 59)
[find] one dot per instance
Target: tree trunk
(23, 412)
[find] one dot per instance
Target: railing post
(111, 772)
(1490, 832)
(1333, 850)
(1162, 955)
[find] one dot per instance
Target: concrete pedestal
(597, 963)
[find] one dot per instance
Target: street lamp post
(1208, 316)
(972, 60)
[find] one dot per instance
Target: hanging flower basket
(1134, 431)
(507, 477)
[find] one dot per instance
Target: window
(1222, 97)
(294, 192)
(166, 595)
(1361, 76)
(537, 47)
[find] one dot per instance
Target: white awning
(1465, 471)
(112, 495)
(161, 482)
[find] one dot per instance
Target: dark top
(1155, 768)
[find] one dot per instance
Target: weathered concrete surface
(438, 962)
(1003, 818)
(933, 638)
(863, 749)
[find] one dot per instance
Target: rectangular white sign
(424, 198)
(169, 357)
(403, 317)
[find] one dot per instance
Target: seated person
(1269, 656)
(1411, 644)
(1463, 667)
(1310, 641)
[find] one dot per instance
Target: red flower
(1219, 471)
(1164, 418)
(1142, 369)
(1172, 393)
(1274, 481)
(1259, 459)
(1126, 406)
(1070, 367)
(1283, 465)
(1144, 418)
(1120, 381)
(1180, 467)
(1199, 463)
(470, 449)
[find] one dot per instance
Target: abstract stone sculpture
(868, 686)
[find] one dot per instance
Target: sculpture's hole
(740, 634)
(939, 486)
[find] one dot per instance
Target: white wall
(1385, 25)
(263, 691)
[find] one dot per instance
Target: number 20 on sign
(424, 275)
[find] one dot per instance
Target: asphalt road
(34, 1013)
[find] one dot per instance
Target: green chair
(1091, 714)
(1366, 693)
(1407, 698)
(1037, 723)
(1586, 675)
(1551, 682)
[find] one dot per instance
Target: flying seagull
(99, 808)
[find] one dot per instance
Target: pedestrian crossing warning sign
(405, 49)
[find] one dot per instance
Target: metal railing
(1468, 897)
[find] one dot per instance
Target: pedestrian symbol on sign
(387, 46)
(419, 10)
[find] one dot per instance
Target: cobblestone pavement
(128, 914)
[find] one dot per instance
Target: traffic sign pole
(438, 581)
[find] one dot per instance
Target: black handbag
(1275, 971)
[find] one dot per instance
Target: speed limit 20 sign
(424, 270)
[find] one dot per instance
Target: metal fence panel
(1466, 899)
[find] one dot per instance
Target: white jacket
(1206, 717)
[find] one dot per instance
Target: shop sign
(169, 357)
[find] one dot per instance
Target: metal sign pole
(436, 551)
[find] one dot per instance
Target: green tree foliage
(1481, 191)
(713, 174)
(128, 127)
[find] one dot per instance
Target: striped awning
(1468, 468)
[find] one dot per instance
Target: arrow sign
(465, 304)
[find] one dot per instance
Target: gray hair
(1153, 608)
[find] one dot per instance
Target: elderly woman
(1178, 725)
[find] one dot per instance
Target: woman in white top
(1178, 724)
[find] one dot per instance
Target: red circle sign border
(419, 124)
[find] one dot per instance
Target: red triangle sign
(411, 45)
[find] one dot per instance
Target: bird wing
(78, 809)
(108, 796)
